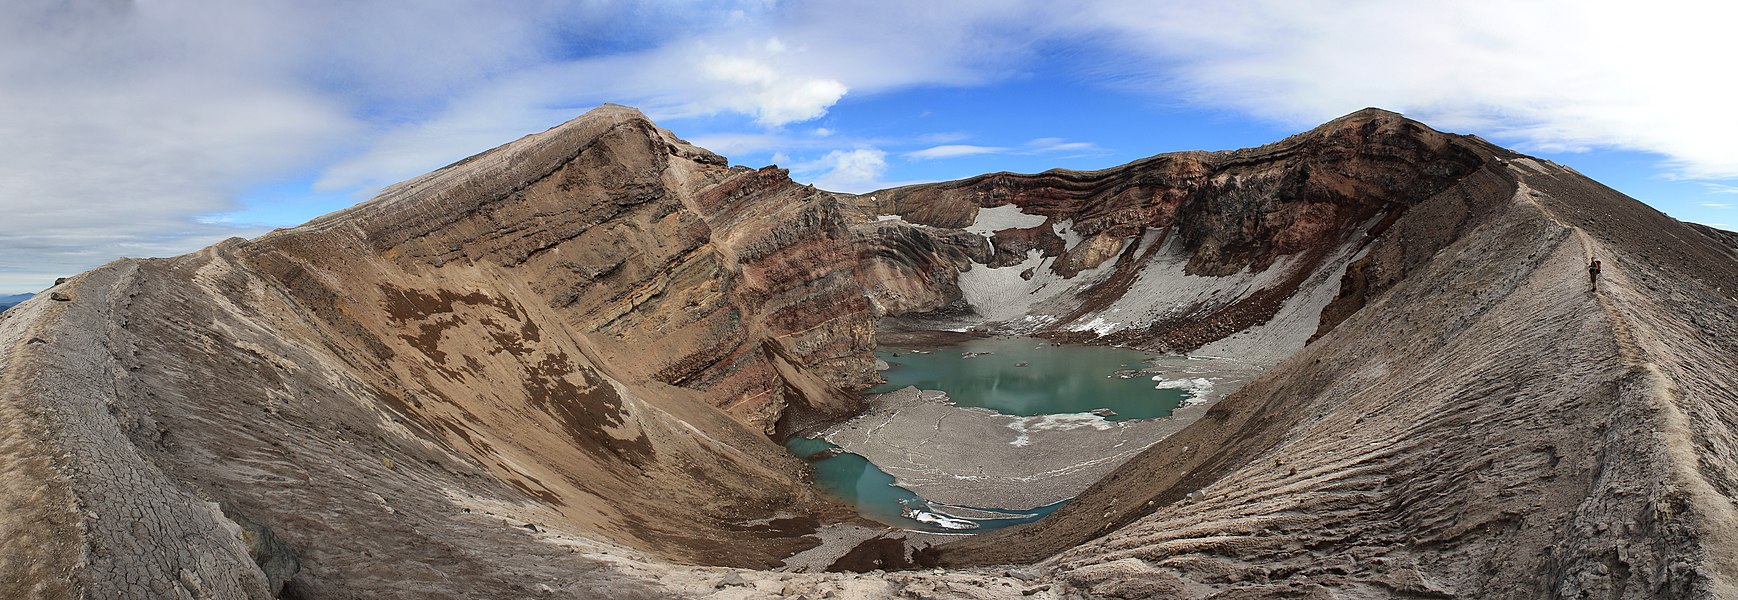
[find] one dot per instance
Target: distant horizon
(156, 129)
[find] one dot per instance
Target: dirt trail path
(40, 541)
(1627, 346)
(1642, 347)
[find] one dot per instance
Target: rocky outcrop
(553, 369)
(1486, 427)
(1283, 214)
(914, 270)
(589, 331)
(623, 231)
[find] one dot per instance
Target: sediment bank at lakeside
(978, 457)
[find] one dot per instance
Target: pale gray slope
(1490, 428)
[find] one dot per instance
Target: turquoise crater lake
(856, 481)
(1028, 376)
(1019, 377)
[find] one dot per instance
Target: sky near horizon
(157, 127)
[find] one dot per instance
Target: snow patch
(925, 516)
(999, 294)
(1065, 230)
(1006, 216)
(1531, 164)
(1297, 319)
(1197, 387)
(1062, 422)
(1097, 325)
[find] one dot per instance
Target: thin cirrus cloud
(953, 150)
(1037, 146)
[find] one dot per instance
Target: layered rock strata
(1490, 426)
(590, 330)
(1172, 252)
(553, 369)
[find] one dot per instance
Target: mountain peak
(1363, 116)
(623, 134)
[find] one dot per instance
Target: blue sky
(156, 128)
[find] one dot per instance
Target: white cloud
(1036, 146)
(1716, 205)
(852, 171)
(666, 82)
(1715, 188)
(126, 121)
(772, 96)
(733, 144)
(953, 150)
(1552, 74)
(943, 137)
(1059, 145)
(117, 131)
(131, 127)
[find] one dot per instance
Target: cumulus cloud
(853, 171)
(117, 131)
(774, 98)
(131, 127)
(773, 83)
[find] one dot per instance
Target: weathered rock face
(1285, 213)
(622, 231)
(592, 329)
(552, 369)
(1487, 426)
(910, 270)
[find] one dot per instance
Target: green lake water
(1054, 380)
(856, 481)
(1014, 376)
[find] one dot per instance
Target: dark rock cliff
(1346, 181)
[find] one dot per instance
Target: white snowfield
(1007, 216)
(1006, 302)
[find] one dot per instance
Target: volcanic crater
(563, 367)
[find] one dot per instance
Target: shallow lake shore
(978, 457)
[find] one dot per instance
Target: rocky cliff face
(1232, 237)
(1490, 426)
(590, 330)
(553, 369)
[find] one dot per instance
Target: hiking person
(1593, 272)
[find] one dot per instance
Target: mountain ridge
(1191, 480)
(562, 362)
